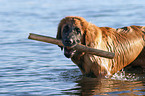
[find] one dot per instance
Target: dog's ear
(87, 34)
(59, 36)
(92, 35)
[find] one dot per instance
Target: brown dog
(127, 43)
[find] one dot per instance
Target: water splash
(122, 75)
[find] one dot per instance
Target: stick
(78, 47)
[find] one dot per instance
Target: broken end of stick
(29, 35)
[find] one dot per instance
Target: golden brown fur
(127, 43)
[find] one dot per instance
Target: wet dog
(127, 43)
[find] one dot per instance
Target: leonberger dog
(127, 43)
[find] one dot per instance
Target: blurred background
(32, 68)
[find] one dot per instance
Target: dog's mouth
(69, 52)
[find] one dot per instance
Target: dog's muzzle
(69, 44)
(69, 52)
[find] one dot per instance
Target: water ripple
(32, 68)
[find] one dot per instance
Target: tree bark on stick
(78, 47)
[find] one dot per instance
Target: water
(32, 68)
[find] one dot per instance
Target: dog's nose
(68, 41)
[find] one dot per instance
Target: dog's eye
(66, 29)
(78, 31)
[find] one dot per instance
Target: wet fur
(127, 43)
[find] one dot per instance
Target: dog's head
(70, 31)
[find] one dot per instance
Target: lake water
(32, 68)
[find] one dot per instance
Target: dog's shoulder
(107, 31)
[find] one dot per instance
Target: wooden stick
(45, 39)
(78, 47)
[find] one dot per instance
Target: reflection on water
(31, 68)
(92, 86)
(121, 83)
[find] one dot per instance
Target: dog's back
(128, 45)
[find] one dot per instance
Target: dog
(127, 43)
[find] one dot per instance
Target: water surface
(32, 68)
